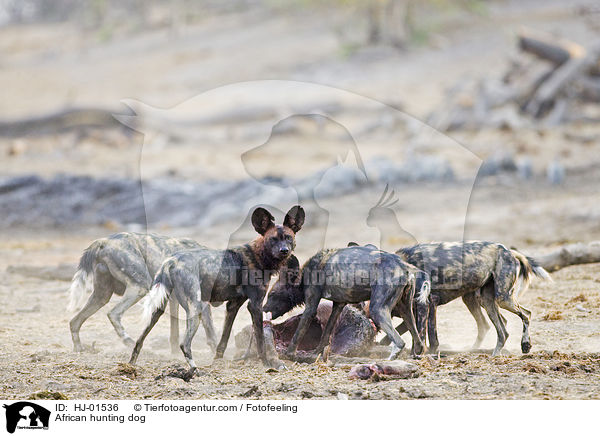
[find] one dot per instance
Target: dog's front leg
(255, 298)
(312, 298)
(233, 306)
(255, 310)
(326, 335)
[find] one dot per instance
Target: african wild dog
(484, 274)
(124, 264)
(233, 275)
(352, 275)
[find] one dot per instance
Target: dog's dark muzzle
(284, 252)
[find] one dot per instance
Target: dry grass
(553, 315)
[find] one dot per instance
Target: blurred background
(454, 83)
(482, 117)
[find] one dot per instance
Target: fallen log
(544, 97)
(571, 61)
(557, 51)
(550, 87)
(573, 254)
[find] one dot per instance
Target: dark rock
(178, 371)
(48, 395)
(253, 391)
(417, 393)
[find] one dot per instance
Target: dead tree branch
(573, 254)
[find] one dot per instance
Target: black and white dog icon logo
(26, 415)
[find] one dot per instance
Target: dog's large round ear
(352, 244)
(262, 220)
(294, 219)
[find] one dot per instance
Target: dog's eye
(288, 238)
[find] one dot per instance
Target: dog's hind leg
(491, 307)
(174, 314)
(383, 320)
(504, 319)
(140, 342)
(132, 296)
(100, 296)
(473, 303)
(434, 343)
(138, 282)
(524, 314)
(209, 326)
(507, 288)
(192, 324)
(421, 318)
(417, 338)
(401, 329)
(421, 314)
(384, 298)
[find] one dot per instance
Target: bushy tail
(528, 268)
(422, 287)
(83, 280)
(162, 286)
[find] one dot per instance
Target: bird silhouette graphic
(382, 216)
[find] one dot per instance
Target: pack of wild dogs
(410, 283)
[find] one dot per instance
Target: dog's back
(455, 266)
(124, 254)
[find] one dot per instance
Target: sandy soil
(564, 362)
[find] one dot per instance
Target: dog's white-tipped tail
(155, 300)
(542, 273)
(527, 268)
(80, 287)
(424, 292)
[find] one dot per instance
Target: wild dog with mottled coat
(233, 275)
(352, 275)
(124, 264)
(484, 274)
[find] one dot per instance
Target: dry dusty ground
(37, 356)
